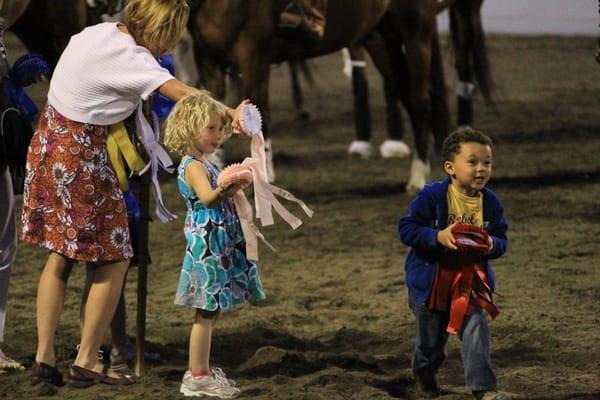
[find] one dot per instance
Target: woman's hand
(236, 116)
(446, 238)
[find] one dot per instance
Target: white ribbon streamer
(149, 136)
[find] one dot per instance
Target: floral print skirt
(72, 203)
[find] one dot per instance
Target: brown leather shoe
(42, 372)
(82, 377)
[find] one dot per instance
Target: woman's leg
(118, 324)
(107, 283)
(200, 341)
(50, 300)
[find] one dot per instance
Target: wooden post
(143, 262)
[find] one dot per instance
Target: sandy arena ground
(336, 324)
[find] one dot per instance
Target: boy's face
(471, 168)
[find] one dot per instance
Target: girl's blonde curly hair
(156, 22)
(191, 114)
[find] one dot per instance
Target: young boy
(428, 229)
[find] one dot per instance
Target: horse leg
(211, 76)
(362, 111)
(418, 53)
(462, 36)
(297, 95)
(390, 61)
(440, 115)
(255, 86)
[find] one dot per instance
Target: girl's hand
(236, 116)
(446, 238)
(230, 191)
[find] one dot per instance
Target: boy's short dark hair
(463, 134)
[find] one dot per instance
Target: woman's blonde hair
(156, 22)
(191, 114)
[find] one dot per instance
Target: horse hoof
(419, 173)
(394, 149)
(304, 116)
(360, 148)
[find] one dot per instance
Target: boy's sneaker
(215, 385)
(489, 395)
(427, 385)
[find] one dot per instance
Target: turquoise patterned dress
(216, 273)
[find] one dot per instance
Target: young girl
(216, 273)
(72, 203)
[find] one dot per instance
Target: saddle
(305, 17)
(461, 281)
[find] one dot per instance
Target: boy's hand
(490, 244)
(446, 238)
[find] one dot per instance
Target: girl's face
(208, 139)
(471, 168)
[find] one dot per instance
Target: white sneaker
(360, 148)
(7, 363)
(394, 149)
(214, 385)
(219, 373)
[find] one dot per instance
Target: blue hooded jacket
(428, 214)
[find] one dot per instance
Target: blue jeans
(432, 338)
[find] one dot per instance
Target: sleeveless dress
(72, 203)
(216, 273)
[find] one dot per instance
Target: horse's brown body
(46, 26)
(244, 33)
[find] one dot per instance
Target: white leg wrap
(465, 90)
(394, 149)
(360, 148)
(419, 174)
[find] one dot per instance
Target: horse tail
(440, 115)
(468, 13)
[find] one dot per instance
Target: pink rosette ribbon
(265, 199)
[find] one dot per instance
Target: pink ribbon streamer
(264, 200)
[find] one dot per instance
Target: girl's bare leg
(200, 341)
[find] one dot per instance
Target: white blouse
(102, 76)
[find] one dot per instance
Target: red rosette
(469, 238)
(235, 175)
